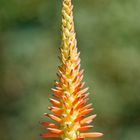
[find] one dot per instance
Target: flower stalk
(69, 105)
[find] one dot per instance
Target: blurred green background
(108, 34)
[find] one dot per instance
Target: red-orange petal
(71, 111)
(80, 78)
(83, 96)
(82, 85)
(71, 72)
(79, 87)
(80, 139)
(55, 102)
(56, 92)
(76, 100)
(86, 107)
(82, 91)
(86, 111)
(91, 135)
(85, 128)
(56, 131)
(80, 104)
(48, 124)
(55, 110)
(81, 72)
(78, 118)
(53, 117)
(64, 77)
(77, 67)
(75, 79)
(57, 83)
(66, 105)
(50, 135)
(87, 120)
(61, 69)
(59, 88)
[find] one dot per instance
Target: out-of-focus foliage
(108, 33)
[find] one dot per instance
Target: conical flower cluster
(69, 105)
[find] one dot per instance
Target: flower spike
(69, 106)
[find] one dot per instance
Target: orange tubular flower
(69, 104)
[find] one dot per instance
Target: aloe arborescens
(69, 108)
